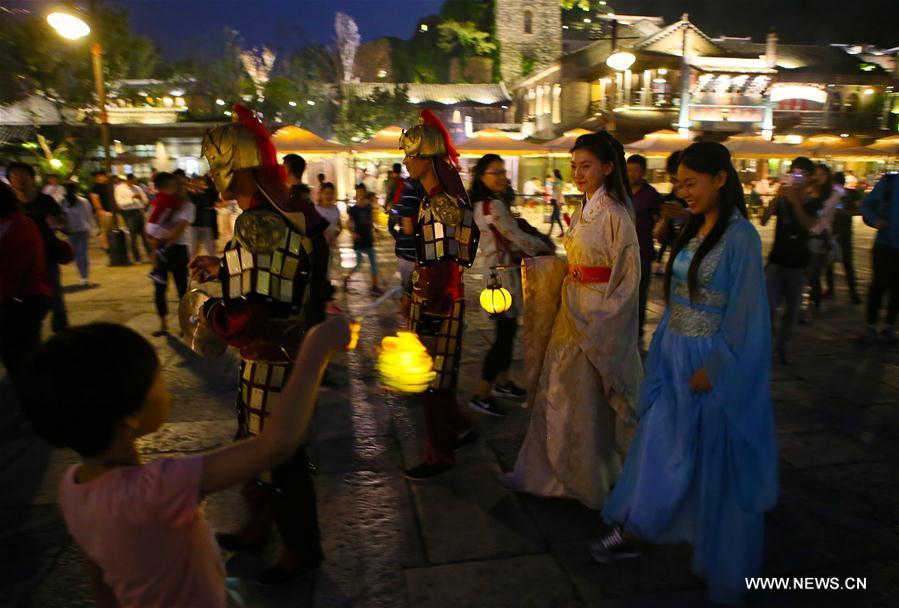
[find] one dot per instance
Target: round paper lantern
(404, 364)
(496, 299)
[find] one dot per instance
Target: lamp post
(620, 61)
(72, 27)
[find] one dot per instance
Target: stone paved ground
(462, 540)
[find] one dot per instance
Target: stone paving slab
(370, 534)
(532, 581)
(188, 437)
(812, 448)
(462, 540)
(465, 515)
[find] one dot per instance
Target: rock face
(528, 33)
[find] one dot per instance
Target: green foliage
(37, 60)
(568, 5)
(466, 29)
(464, 39)
(528, 64)
(361, 118)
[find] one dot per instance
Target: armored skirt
(703, 466)
(581, 358)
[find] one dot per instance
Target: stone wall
(543, 44)
(373, 57)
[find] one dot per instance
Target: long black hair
(823, 191)
(71, 193)
(609, 150)
(710, 158)
(478, 191)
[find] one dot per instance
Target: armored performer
(266, 274)
(446, 240)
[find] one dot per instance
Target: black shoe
(486, 406)
(510, 391)
(427, 471)
(236, 543)
(612, 547)
(468, 438)
(156, 277)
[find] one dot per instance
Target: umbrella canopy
(659, 143)
(565, 143)
(498, 142)
(826, 144)
(294, 140)
(756, 146)
(384, 142)
(890, 145)
(860, 153)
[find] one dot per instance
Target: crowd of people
(675, 444)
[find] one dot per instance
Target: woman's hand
(700, 383)
(204, 268)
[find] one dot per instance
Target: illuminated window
(423, 27)
(528, 22)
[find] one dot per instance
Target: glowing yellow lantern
(496, 299)
(404, 364)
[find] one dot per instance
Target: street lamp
(72, 27)
(621, 61)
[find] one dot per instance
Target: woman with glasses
(503, 243)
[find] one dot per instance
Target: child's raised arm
(285, 427)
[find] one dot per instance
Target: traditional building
(677, 76)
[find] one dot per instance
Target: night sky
(179, 26)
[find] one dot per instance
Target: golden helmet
(428, 138)
(230, 148)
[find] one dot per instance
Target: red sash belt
(589, 274)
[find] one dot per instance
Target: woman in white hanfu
(581, 354)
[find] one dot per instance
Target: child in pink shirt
(139, 525)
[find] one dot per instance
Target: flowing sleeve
(505, 224)
(609, 337)
(739, 369)
(652, 384)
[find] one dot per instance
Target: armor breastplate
(267, 257)
(437, 240)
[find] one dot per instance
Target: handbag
(63, 249)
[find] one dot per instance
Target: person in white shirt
(327, 208)
(820, 243)
(54, 189)
(78, 225)
(502, 243)
(131, 202)
(176, 233)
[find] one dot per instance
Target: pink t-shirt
(142, 526)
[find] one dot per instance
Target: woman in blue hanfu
(702, 467)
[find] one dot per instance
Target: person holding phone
(796, 213)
